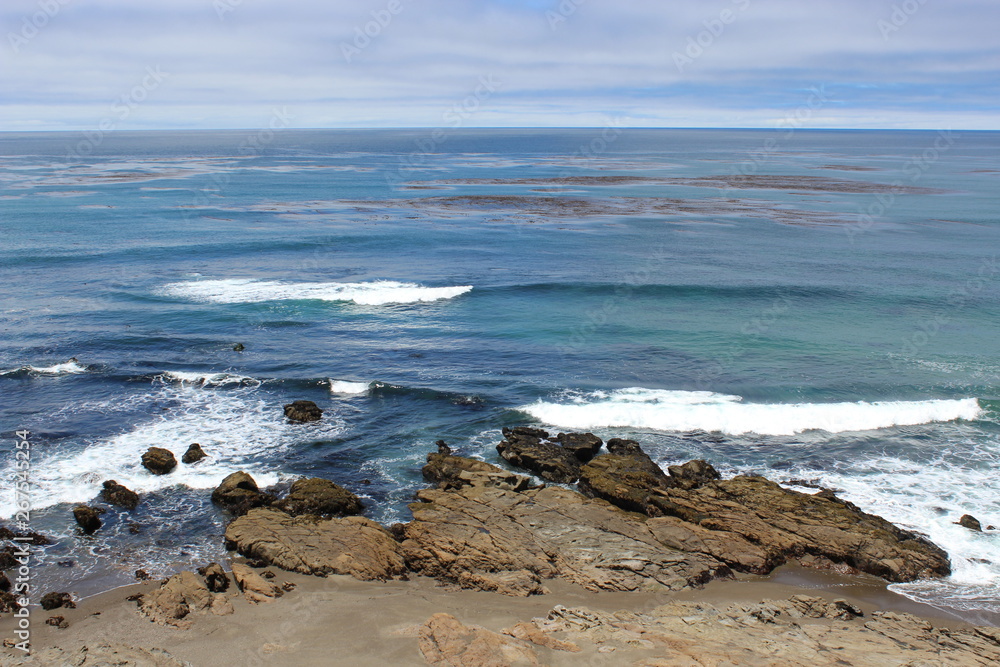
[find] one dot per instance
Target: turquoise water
(832, 317)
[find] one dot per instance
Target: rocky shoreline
(627, 527)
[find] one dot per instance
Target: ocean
(813, 306)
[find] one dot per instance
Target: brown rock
(547, 460)
(626, 476)
(474, 535)
(116, 494)
(88, 518)
(159, 461)
(193, 454)
(58, 621)
(55, 600)
(238, 493)
(176, 600)
(530, 632)
(584, 446)
(256, 589)
(970, 522)
(692, 474)
(216, 579)
(303, 411)
(310, 545)
(8, 602)
(320, 497)
(444, 641)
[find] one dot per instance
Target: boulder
(319, 496)
(308, 544)
(55, 600)
(450, 471)
(178, 599)
(445, 642)
(970, 522)
(8, 602)
(193, 454)
(692, 474)
(88, 518)
(303, 411)
(547, 460)
(5, 584)
(256, 589)
(216, 579)
(584, 446)
(494, 539)
(116, 494)
(238, 493)
(159, 461)
(626, 476)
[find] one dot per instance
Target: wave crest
(377, 293)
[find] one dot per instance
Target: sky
(200, 64)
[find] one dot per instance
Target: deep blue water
(752, 325)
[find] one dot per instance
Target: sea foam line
(238, 290)
(667, 410)
(71, 367)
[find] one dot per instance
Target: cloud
(398, 63)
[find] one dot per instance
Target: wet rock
(216, 579)
(303, 411)
(255, 588)
(55, 600)
(522, 448)
(692, 474)
(8, 602)
(625, 476)
(36, 539)
(311, 545)
(239, 347)
(159, 461)
(193, 454)
(4, 582)
(320, 497)
(116, 494)
(238, 493)
(88, 518)
(970, 522)
(142, 575)
(444, 468)
(58, 621)
(444, 642)
(584, 446)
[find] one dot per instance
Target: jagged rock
(796, 631)
(584, 446)
(530, 632)
(445, 642)
(57, 621)
(193, 454)
(116, 494)
(180, 596)
(303, 411)
(444, 468)
(692, 474)
(473, 535)
(36, 539)
(142, 575)
(310, 545)
(216, 579)
(159, 461)
(524, 432)
(256, 589)
(238, 493)
(55, 600)
(626, 476)
(102, 655)
(549, 461)
(319, 496)
(970, 522)
(88, 518)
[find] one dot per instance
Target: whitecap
(348, 387)
(377, 293)
(667, 410)
(71, 367)
(208, 379)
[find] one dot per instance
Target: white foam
(71, 367)
(667, 410)
(237, 430)
(376, 293)
(208, 379)
(347, 387)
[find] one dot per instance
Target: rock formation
(159, 461)
(88, 518)
(193, 454)
(238, 493)
(303, 411)
(116, 494)
(320, 497)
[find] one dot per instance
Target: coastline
(339, 620)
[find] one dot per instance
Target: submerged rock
(116, 494)
(319, 496)
(159, 461)
(88, 518)
(193, 454)
(238, 493)
(303, 411)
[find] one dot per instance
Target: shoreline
(377, 623)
